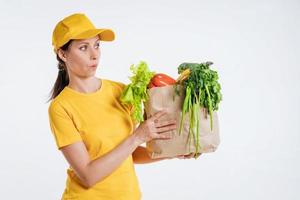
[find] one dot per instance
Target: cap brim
(104, 34)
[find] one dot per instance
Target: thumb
(158, 114)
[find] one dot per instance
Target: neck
(85, 85)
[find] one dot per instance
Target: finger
(158, 115)
(191, 155)
(165, 123)
(166, 128)
(180, 157)
(164, 136)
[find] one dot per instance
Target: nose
(94, 54)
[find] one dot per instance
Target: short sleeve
(62, 126)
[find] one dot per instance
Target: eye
(97, 45)
(83, 47)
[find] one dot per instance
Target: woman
(93, 130)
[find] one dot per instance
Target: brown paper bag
(165, 98)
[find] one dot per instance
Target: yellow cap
(77, 26)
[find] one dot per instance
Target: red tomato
(150, 85)
(160, 80)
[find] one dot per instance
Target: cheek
(78, 62)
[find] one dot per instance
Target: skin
(80, 55)
(78, 58)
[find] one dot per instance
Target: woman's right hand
(153, 128)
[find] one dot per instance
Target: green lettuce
(135, 93)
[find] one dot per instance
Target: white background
(255, 49)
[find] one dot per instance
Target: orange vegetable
(150, 85)
(160, 80)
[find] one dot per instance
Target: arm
(90, 172)
(140, 156)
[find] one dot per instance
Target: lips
(93, 66)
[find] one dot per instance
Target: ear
(62, 55)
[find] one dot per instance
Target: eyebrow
(87, 42)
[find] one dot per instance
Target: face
(82, 57)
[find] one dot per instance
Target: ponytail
(62, 79)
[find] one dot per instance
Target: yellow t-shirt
(101, 122)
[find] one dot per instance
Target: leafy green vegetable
(136, 92)
(202, 90)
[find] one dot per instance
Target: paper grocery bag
(165, 98)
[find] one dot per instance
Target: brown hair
(62, 79)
